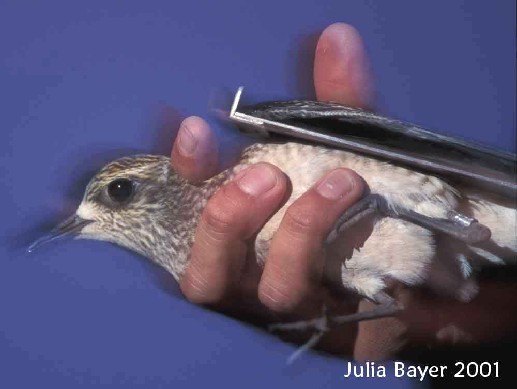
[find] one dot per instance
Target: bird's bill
(71, 226)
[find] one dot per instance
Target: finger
(341, 68)
(295, 263)
(232, 216)
(195, 153)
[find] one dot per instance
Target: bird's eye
(120, 190)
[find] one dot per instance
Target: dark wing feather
(399, 142)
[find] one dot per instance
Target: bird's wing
(398, 142)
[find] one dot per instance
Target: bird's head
(137, 202)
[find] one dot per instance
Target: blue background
(84, 82)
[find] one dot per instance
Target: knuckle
(197, 290)
(279, 297)
(300, 221)
(219, 218)
(192, 294)
(228, 213)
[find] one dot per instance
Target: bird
(416, 234)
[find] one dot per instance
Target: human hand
(223, 273)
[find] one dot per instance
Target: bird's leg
(365, 207)
(387, 306)
(319, 324)
(456, 225)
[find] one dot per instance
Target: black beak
(71, 226)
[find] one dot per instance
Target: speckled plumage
(160, 220)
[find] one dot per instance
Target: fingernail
(257, 180)
(187, 142)
(335, 185)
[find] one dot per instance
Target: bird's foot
(318, 325)
(386, 307)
